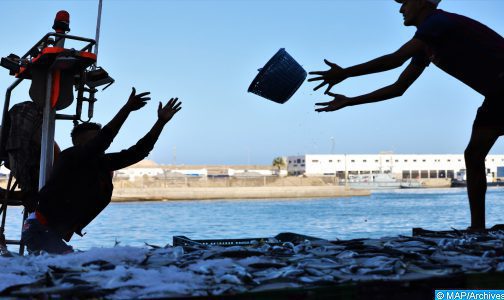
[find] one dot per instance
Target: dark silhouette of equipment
(55, 72)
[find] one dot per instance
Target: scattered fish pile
(127, 272)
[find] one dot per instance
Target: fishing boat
(460, 180)
(373, 181)
(411, 184)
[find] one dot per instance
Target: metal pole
(6, 109)
(174, 158)
(4, 205)
(98, 26)
(21, 244)
(346, 173)
(47, 142)
(48, 126)
(3, 211)
(3, 242)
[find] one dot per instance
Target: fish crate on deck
(276, 240)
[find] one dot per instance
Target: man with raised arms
(460, 46)
(80, 185)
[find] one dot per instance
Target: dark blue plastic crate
(279, 79)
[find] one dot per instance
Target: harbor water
(384, 213)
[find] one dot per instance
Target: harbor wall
(194, 181)
(207, 193)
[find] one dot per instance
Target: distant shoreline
(215, 193)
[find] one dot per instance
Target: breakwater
(207, 193)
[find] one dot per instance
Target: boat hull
(463, 183)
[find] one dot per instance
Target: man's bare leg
(482, 140)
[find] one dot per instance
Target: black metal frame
(45, 41)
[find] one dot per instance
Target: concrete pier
(206, 193)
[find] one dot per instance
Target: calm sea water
(381, 214)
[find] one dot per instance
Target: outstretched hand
(339, 102)
(135, 102)
(165, 113)
(330, 77)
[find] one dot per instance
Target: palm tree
(278, 163)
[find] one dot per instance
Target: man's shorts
(491, 113)
(38, 237)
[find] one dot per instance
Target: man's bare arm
(165, 114)
(337, 74)
(104, 138)
(142, 148)
(408, 76)
(135, 102)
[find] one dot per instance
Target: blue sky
(207, 53)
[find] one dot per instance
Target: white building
(402, 165)
(256, 172)
(151, 169)
(186, 172)
(138, 170)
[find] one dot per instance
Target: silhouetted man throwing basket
(462, 47)
(80, 186)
